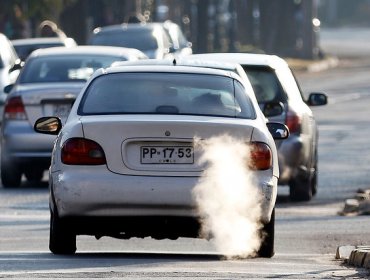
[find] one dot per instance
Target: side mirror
(272, 109)
(317, 99)
(48, 125)
(278, 131)
(17, 65)
(8, 88)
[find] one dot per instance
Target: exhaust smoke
(228, 198)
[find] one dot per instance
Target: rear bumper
(96, 192)
(292, 158)
(20, 142)
(157, 227)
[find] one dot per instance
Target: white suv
(9, 68)
(274, 83)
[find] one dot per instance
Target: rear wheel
(314, 176)
(34, 173)
(314, 182)
(267, 236)
(11, 174)
(62, 238)
(301, 189)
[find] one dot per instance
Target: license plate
(167, 155)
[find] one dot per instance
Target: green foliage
(40, 9)
(43, 9)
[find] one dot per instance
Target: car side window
(266, 85)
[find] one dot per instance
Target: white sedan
(127, 160)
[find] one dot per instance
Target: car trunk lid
(158, 145)
(48, 99)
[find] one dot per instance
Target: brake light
(81, 151)
(293, 121)
(14, 109)
(261, 156)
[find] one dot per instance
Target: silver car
(125, 163)
(48, 85)
(150, 38)
(274, 84)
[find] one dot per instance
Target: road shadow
(283, 199)
(21, 262)
(25, 184)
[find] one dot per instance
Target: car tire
(34, 174)
(314, 182)
(314, 176)
(301, 189)
(267, 238)
(11, 174)
(62, 239)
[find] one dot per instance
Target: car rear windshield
(166, 93)
(142, 39)
(74, 68)
(24, 51)
(265, 83)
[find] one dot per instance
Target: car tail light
(293, 121)
(14, 109)
(81, 151)
(260, 156)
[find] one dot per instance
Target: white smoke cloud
(227, 197)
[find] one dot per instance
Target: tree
(202, 20)
(245, 22)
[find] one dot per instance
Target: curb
(312, 65)
(359, 205)
(358, 256)
(327, 63)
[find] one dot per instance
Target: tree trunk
(202, 19)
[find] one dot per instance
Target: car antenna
(174, 62)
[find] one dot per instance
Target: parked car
(150, 38)
(274, 83)
(180, 46)
(24, 47)
(10, 64)
(48, 85)
(112, 174)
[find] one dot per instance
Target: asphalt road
(307, 234)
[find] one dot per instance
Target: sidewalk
(312, 65)
(358, 256)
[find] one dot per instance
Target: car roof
(126, 26)
(183, 61)
(87, 50)
(38, 40)
(252, 59)
(166, 69)
(2, 35)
